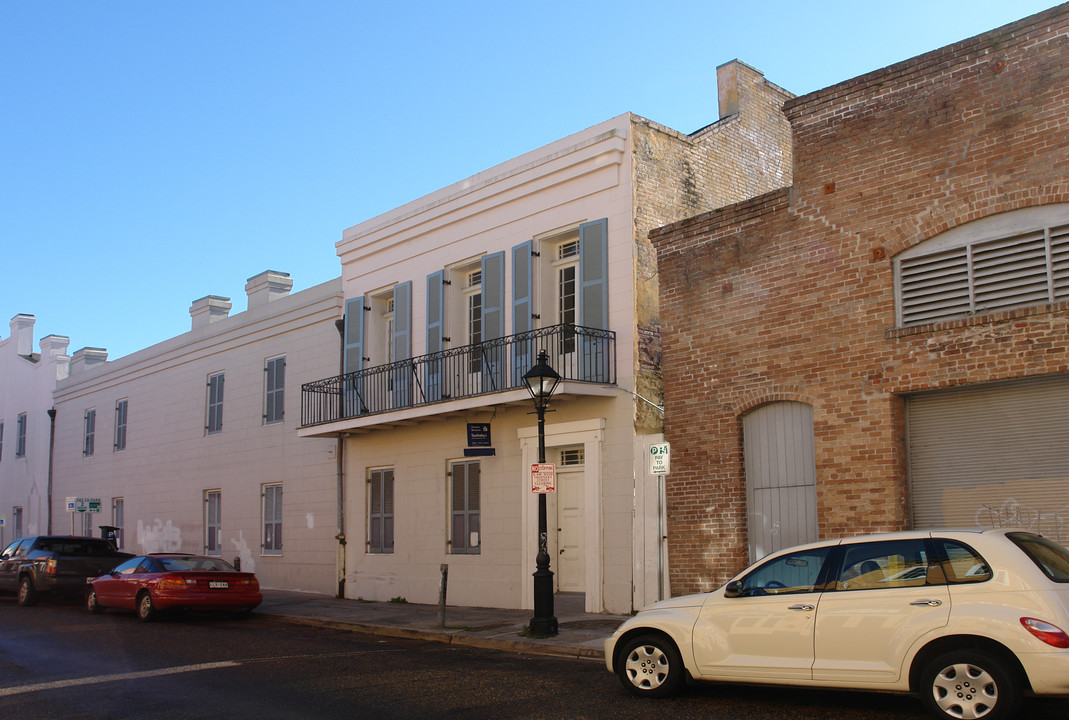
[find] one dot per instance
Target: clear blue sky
(153, 153)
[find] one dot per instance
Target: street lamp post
(542, 380)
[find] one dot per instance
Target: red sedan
(151, 584)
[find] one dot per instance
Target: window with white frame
(272, 513)
(1012, 260)
(380, 510)
(473, 318)
(89, 436)
(213, 522)
(120, 425)
(215, 403)
(274, 390)
(20, 435)
(565, 270)
(464, 491)
(1, 439)
(118, 521)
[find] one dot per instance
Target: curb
(458, 637)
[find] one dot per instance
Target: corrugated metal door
(781, 491)
(993, 455)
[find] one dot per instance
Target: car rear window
(1052, 558)
(962, 564)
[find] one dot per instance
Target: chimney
(54, 350)
(727, 85)
(88, 357)
(209, 309)
(22, 334)
(267, 287)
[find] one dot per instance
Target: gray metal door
(781, 490)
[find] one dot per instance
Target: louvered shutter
(435, 310)
(402, 344)
(522, 285)
(493, 317)
(594, 300)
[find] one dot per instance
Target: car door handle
(929, 603)
(805, 608)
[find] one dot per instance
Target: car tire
(92, 604)
(27, 593)
(146, 611)
(972, 684)
(650, 666)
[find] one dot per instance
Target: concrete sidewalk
(581, 634)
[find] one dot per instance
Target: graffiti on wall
(1050, 522)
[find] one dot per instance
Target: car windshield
(179, 563)
(1052, 558)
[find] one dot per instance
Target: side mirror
(733, 589)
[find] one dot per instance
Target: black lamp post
(542, 380)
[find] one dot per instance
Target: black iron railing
(578, 353)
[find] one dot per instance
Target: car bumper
(207, 600)
(1048, 673)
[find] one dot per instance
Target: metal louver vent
(1025, 269)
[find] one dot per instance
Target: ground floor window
(464, 481)
(213, 522)
(16, 521)
(272, 513)
(117, 512)
(380, 511)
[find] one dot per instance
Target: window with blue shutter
(435, 311)
(353, 360)
(402, 344)
(493, 319)
(522, 298)
(594, 298)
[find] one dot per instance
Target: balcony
(579, 354)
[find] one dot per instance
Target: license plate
(218, 584)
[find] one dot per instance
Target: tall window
(275, 390)
(117, 512)
(90, 433)
(380, 511)
(1, 439)
(474, 296)
(213, 522)
(464, 504)
(566, 266)
(120, 425)
(272, 541)
(20, 436)
(215, 403)
(16, 520)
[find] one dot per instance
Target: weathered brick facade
(791, 295)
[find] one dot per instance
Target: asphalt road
(56, 661)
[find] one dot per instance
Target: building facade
(190, 445)
(885, 343)
(27, 379)
(448, 301)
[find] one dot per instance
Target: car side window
(128, 567)
(892, 564)
(9, 550)
(796, 572)
(962, 564)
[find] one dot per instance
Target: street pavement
(581, 634)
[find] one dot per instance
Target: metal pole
(543, 622)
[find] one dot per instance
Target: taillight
(174, 583)
(254, 584)
(1050, 634)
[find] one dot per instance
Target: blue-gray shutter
(594, 300)
(493, 292)
(402, 344)
(522, 285)
(353, 388)
(435, 305)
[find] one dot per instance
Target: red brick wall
(790, 296)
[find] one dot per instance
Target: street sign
(659, 455)
(543, 478)
(83, 505)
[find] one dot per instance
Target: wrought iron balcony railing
(579, 354)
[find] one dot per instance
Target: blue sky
(157, 152)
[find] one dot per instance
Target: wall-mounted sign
(659, 455)
(83, 505)
(543, 478)
(478, 435)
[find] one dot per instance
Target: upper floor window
(215, 403)
(473, 301)
(275, 390)
(120, 425)
(90, 433)
(20, 436)
(1016, 259)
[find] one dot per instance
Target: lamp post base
(544, 622)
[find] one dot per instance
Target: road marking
(75, 682)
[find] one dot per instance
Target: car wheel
(146, 611)
(27, 592)
(650, 666)
(970, 684)
(92, 604)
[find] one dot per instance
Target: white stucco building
(449, 299)
(191, 444)
(27, 379)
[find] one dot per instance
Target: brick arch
(754, 399)
(938, 219)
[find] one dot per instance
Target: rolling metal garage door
(993, 455)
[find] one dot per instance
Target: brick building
(885, 343)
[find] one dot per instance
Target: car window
(796, 572)
(10, 550)
(1052, 558)
(128, 567)
(891, 564)
(962, 564)
(147, 565)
